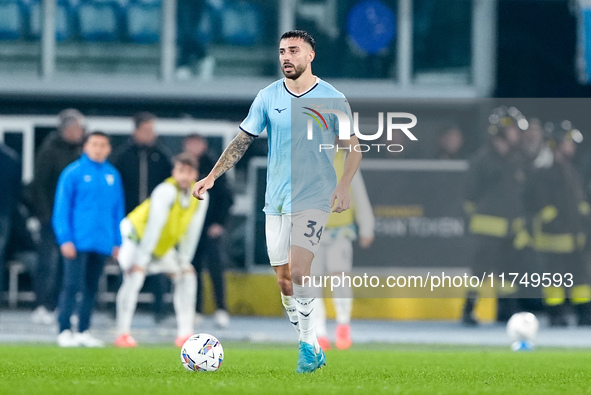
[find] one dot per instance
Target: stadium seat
(241, 24)
(63, 22)
(99, 20)
(11, 20)
(143, 21)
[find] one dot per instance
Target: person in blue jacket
(89, 205)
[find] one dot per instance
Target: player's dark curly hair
(304, 35)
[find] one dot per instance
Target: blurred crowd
(526, 209)
(28, 220)
(528, 213)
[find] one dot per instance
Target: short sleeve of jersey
(256, 120)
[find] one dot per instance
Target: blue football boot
(308, 359)
(522, 345)
(321, 358)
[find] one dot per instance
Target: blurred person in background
(10, 182)
(494, 205)
(143, 163)
(450, 143)
(161, 236)
(537, 154)
(192, 55)
(556, 199)
(89, 206)
(58, 150)
(534, 146)
(335, 256)
(209, 250)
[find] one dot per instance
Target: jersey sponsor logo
(87, 178)
(279, 110)
(110, 179)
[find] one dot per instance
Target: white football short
(335, 255)
(302, 229)
(169, 263)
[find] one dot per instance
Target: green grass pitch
(269, 369)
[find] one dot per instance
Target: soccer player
(297, 207)
(161, 236)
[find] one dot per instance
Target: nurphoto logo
(392, 123)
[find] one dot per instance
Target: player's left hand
(341, 197)
(365, 241)
(115, 252)
(202, 186)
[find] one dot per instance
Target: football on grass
(522, 327)
(202, 353)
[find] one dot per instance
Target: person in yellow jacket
(161, 236)
(494, 205)
(335, 256)
(556, 200)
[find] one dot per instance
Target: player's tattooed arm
(232, 154)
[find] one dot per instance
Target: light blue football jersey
(300, 175)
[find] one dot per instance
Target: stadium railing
(116, 127)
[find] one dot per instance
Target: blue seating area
(241, 24)
(84, 20)
(63, 24)
(99, 21)
(235, 22)
(123, 36)
(12, 21)
(144, 21)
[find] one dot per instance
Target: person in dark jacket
(58, 150)
(556, 200)
(10, 180)
(450, 144)
(143, 163)
(209, 250)
(494, 204)
(87, 212)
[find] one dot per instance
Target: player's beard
(296, 71)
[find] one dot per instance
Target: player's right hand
(202, 186)
(68, 250)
